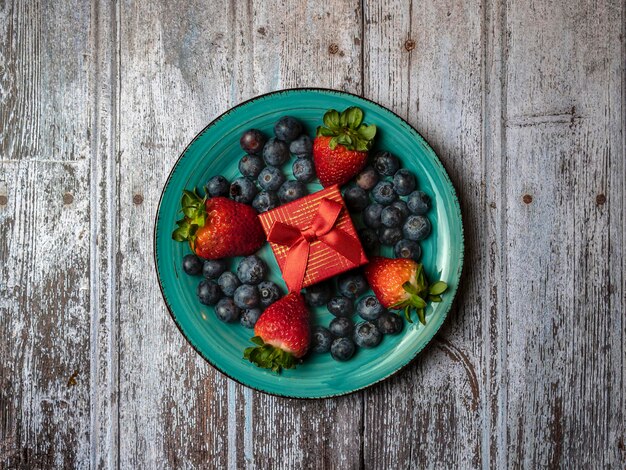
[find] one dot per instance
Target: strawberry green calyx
(347, 129)
(267, 356)
(194, 210)
(419, 293)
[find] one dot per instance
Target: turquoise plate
(216, 151)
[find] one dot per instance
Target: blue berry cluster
(262, 183)
(343, 336)
(240, 295)
(243, 294)
(385, 203)
(393, 211)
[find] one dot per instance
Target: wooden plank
(494, 245)
(44, 235)
(425, 62)
(179, 69)
(304, 44)
(307, 44)
(563, 186)
(104, 81)
(175, 75)
(44, 51)
(44, 314)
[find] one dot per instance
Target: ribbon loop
(299, 242)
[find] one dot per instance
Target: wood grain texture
(175, 77)
(178, 71)
(44, 235)
(524, 102)
(312, 44)
(424, 62)
(562, 148)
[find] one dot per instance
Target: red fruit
(401, 284)
(341, 146)
(336, 166)
(282, 333)
(219, 227)
(386, 277)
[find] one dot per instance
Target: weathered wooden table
(524, 101)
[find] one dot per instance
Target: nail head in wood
(527, 199)
(333, 48)
(409, 44)
(68, 199)
(600, 199)
(137, 199)
(4, 200)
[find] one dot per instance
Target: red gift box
(313, 238)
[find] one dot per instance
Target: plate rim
(459, 273)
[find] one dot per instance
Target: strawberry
(401, 283)
(341, 146)
(282, 334)
(218, 227)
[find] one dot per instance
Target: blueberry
(352, 284)
(383, 193)
(251, 166)
(416, 227)
(369, 239)
(246, 296)
(303, 170)
(249, 317)
(318, 294)
(243, 190)
(302, 147)
(342, 349)
(367, 335)
(356, 199)
(391, 216)
(418, 202)
(401, 205)
(217, 186)
(408, 249)
(389, 235)
(228, 282)
(371, 215)
(213, 268)
(271, 178)
(390, 323)
(385, 163)
(252, 141)
(403, 182)
(291, 190)
(275, 152)
(192, 265)
(341, 306)
(341, 327)
(369, 308)
(227, 311)
(321, 339)
(208, 292)
(269, 293)
(367, 179)
(265, 200)
(287, 128)
(251, 270)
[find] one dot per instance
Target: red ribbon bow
(299, 242)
